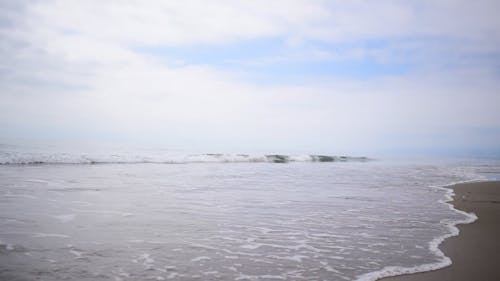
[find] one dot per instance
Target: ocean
(177, 216)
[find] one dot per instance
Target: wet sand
(475, 252)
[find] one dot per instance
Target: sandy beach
(475, 252)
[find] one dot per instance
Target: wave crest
(23, 158)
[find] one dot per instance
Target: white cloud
(70, 65)
(217, 22)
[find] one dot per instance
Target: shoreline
(476, 250)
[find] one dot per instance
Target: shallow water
(223, 221)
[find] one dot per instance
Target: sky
(347, 77)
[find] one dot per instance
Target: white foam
(78, 254)
(52, 235)
(200, 259)
(82, 203)
(232, 268)
(65, 218)
(297, 258)
(27, 157)
(10, 194)
(198, 245)
(37, 181)
(146, 259)
(445, 261)
(268, 276)
(11, 220)
(331, 269)
(172, 275)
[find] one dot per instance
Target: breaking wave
(24, 158)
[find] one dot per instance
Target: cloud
(196, 22)
(73, 69)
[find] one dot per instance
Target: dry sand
(475, 252)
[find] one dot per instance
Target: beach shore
(475, 252)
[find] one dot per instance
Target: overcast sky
(318, 76)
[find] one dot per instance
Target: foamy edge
(390, 271)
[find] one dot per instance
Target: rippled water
(223, 221)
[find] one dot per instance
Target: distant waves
(39, 158)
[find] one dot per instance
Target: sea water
(225, 219)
